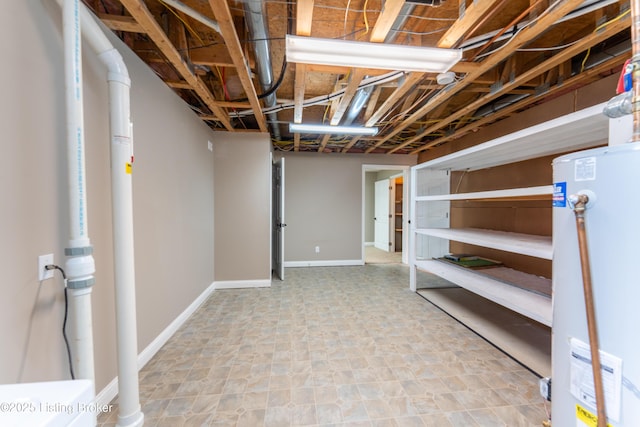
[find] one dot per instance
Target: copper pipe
(635, 45)
(579, 207)
(507, 27)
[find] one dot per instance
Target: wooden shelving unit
(525, 244)
(431, 203)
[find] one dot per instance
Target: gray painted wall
(323, 204)
(242, 206)
(173, 208)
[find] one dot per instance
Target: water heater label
(581, 384)
(586, 418)
(585, 169)
(559, 194)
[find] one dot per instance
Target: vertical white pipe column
(122, 199)
(79, 265)
(130, 414)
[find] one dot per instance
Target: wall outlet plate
(545, 388)
(44, 260)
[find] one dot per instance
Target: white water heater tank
(611, 176)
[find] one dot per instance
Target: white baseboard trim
(328, 263)
(369, 243)
(107, 394)
(240, 284)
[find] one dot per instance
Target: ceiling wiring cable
(598, 28)
(184, 22)
(516, 31)
(546, 49)
(66, 314)
(322, 99)
(346, 12)
(366, 21)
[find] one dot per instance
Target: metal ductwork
(499, 104)
(357, 104)
(255, 16)
(362, 96)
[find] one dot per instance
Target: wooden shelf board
(542, 192)
(530, 304)
(525, 244)
(579, 130)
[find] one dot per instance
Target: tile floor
(332, 346)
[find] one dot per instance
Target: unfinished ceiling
(226, 60)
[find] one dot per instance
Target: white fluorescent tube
(340, 130)
(346, 53)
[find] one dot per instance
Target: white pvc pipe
(75, 121)
(130, 414)
(194, 14)
(79, 265)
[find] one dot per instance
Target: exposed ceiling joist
(225, 21)
(208, 67)
(577, 80)
(141, 14)
(554, 61)
(472, 14)
(521, 38)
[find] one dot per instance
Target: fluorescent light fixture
(346, 53)
(340, 130)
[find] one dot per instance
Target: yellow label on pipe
(128, 168)
(588, 419)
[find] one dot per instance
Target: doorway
(385, 214)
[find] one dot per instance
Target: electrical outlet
(44, 260)
(545, 388)
(317, 249)
(210, 145)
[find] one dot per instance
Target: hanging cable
(66, 314)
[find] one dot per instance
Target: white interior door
(382, 215)
(278, 219)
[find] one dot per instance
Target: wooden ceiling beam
(409, 82)
(304, 19)
(227, 29)
(355, 80)
(296, 142)
(380, 30)
(385, 20)
(524, 36)
(554, 61)
(576, 81)
(121, 23)
(371, 104)
(350, 144)
(212, 56)
(298, 92)
(473, 14)
(323, 143)
(145, 19)
(178, 35)
(179, 85)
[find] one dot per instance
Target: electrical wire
(366, 21)
(185, 23)
(66, 314)
(598, 28)
(319, 100)
(516, 31)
